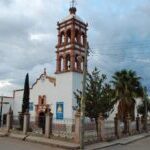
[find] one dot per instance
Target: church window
(42, 101)
(39, 100)
(31, 106)
(60, 110)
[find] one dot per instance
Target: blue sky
(119, 36)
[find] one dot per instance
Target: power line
(123, 43)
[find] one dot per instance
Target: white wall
(77, 85)
(112, 115)
(66, 84)
(43, 87)
(18, 96)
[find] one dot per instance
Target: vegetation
(141, 109)
(26, 95)
(127, 87)
(25, 102)
(98, 96)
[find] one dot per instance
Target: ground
(143, 144)
(13, 144)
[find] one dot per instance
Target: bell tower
(71, 46)
(72, 38)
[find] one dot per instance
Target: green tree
(26, 95)
(98, 96)
(25, 101)
(127, 87)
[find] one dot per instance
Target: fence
(109, 130)
(133, 127)
(63, 128)
(148, 124)
(69, 129)
(90, 131)
(16, 122)
(37, 126)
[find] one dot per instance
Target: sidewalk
(122, 141)
(42, 140)
(73, 146)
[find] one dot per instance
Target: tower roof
(72, 15)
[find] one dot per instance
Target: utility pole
(145, 108)
(83, 98)
(1, 110)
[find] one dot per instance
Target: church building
(56, 92)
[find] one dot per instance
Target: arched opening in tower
(76, 36)
(68, 63)
(62, 38)
(61, 63)
(82, 63)
(68, 36)
(82, 39)
(78, 62)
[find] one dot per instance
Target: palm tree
(127, 87)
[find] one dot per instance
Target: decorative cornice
(50, 79)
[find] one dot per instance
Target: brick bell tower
(72, 38)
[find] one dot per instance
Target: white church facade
(56, 92)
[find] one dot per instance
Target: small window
(31, 106)
(42, 101)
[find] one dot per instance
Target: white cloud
(147, 61)
(4, 83)
(39, 37)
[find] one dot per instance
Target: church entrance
(41, 109)
(41, 121)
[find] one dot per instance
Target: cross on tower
(73, 3)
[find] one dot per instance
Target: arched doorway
(41, 121)
(41, 109)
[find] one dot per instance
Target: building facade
(56, 92)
